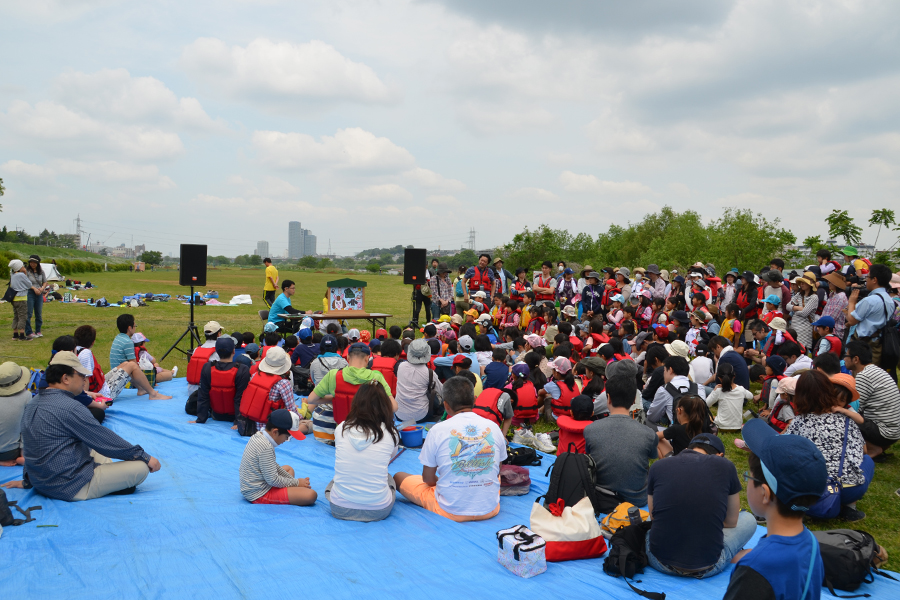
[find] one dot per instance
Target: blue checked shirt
(58, 434)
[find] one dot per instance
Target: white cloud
(349, 149)
(113, 94)
(573, 182)
(384, 192)
(533, 193)
(493, 119)
(108, 171)
(59, 130)
(429, 179)
(265, 70)
(52, 10)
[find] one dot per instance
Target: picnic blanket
(188, 533)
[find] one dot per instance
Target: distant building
(301, 242)
(138, 250)
(262, 248)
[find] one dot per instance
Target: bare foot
(158, 396)
(141, 393)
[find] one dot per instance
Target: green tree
(308, 262)
(813, 242)
(325, 263)
(2, 192)
(373, 266)
(744, 239)
(345, 263)
(386, 259)
(882, 218)
(151, 257)
(3, 233)
(840, 224)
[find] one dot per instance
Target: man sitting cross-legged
(460, 461)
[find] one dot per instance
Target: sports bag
(572, 477)
(570, 532)
(850, 556)
(523, 456)
(628, 557)
(618, 518)
(514, 480)
(829, 504)
(521, 551)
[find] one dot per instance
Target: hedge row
(66, 266)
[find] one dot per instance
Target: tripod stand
(191, 330)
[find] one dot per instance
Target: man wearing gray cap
(415, 382)
(67, 453)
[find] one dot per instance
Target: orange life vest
(385, 366)
(486, 405)
(544, 284)
(835, 342)
(481, 280)
(343, 397)
(222, 390)
(571, 431)
(199, 358)
(525, 402)
(563, 404)
(255, 403)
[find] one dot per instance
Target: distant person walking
(35, 296)
(271, 282)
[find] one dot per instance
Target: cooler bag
(521, 551)
(571, 532)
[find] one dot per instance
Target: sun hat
(701, 284)
(788, 385)
(535, 341)
(16, 265)
(678, 348)
(641, 338)
(593, 275)
(496, 260)
(778, 324)
(711, 269)
(139, 337)
(793, 465)
(480, 294)
(561, 365)
(708, 439)
(570, 311)
(443, 268)
(269, 328)
(213, 327)
(895, 281)
(472, 313)
(681, 316)
(837, 278)
(848, 381)
(664, 274)
(465, 343)
(225, 346)
(276, 361)
(701, 316)
(457, 319)
(679, 279)
(652, 268)
(587, 269)
(69, 359)
(773, 299)
(13, 378)
(521, 370)
(849, 251)
(617, 298)
(286, 419)
(824, 321)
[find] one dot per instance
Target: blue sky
(410, 122)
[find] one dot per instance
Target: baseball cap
(792, 464)
(353, 334)
(305, 333)
(561, 364)
(465, 343)
(824, 321)
(661, 331)
(252, 348)
(708, 439)
(483, 317)
(285, 419)
(472, 313)
(359, 347)
(480, 294)
(328, 343)
(521, 370)
(212, 327)
(460, 359)
(788, 385)
(777, 364)
(570, 311)
(582, 404)
(225, 346)
(381, 334)
(701, 350)
(68, 359)
(773, 299)
(617, 298)
(139, 337)
(375, 344)
(269, 328)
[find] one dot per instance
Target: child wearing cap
(828, 342)
(694, 333)
(146, 360)
(616, 314)
(772, 309)
(557, 395)
(263, 480)
(787, 475)
(571, 428)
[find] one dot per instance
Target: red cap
(662, 332)
(459, 358)
(381, 333)
(611, 282)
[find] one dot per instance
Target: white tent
(51, 272)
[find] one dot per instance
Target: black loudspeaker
(414, 268)
(192, 269)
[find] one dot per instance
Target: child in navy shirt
(496, 373)
(787, 476)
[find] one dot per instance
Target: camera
(856, 283)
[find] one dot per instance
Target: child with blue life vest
(787, 475)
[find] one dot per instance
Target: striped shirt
(879, 400)
(260, 471)
(122, 350)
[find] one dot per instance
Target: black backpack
(848, 555)
(709, 425)
(523, 457)
(572, 477)
(6, 515)
(628, 557)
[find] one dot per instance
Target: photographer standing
(871, 314)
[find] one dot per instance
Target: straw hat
(276, 362)
(13, 378)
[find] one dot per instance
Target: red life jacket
(767, 387)
(544, 284)
(486, 405)
(598, 339)
(222, 390)
(343, 397)
(835, 342)
(744, 302)
(524, 402)
(577, 346)
(571, 432)
(481, 278)
(199, 358)
(563, 404)
(97, 377)
(776, 412)
(255, 403)
(385, 366)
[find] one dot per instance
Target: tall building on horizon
(262, 249)
(301, 242)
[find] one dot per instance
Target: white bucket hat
(276, 362)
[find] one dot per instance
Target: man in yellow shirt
(271, 282)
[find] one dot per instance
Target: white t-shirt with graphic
(467, 450)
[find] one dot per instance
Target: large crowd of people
(629, 365)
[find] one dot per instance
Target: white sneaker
(523, 436)
(174, 372)
(542, 442)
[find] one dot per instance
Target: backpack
(572, 477)
(890, 340)
(6, 515)
(522, 457)
(627, 556)
(709, 426)
(849, 557)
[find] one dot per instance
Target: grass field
(164, 322)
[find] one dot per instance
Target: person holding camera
(872, 313)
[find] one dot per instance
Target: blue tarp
(188, 533)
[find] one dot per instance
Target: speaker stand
(192, 333)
